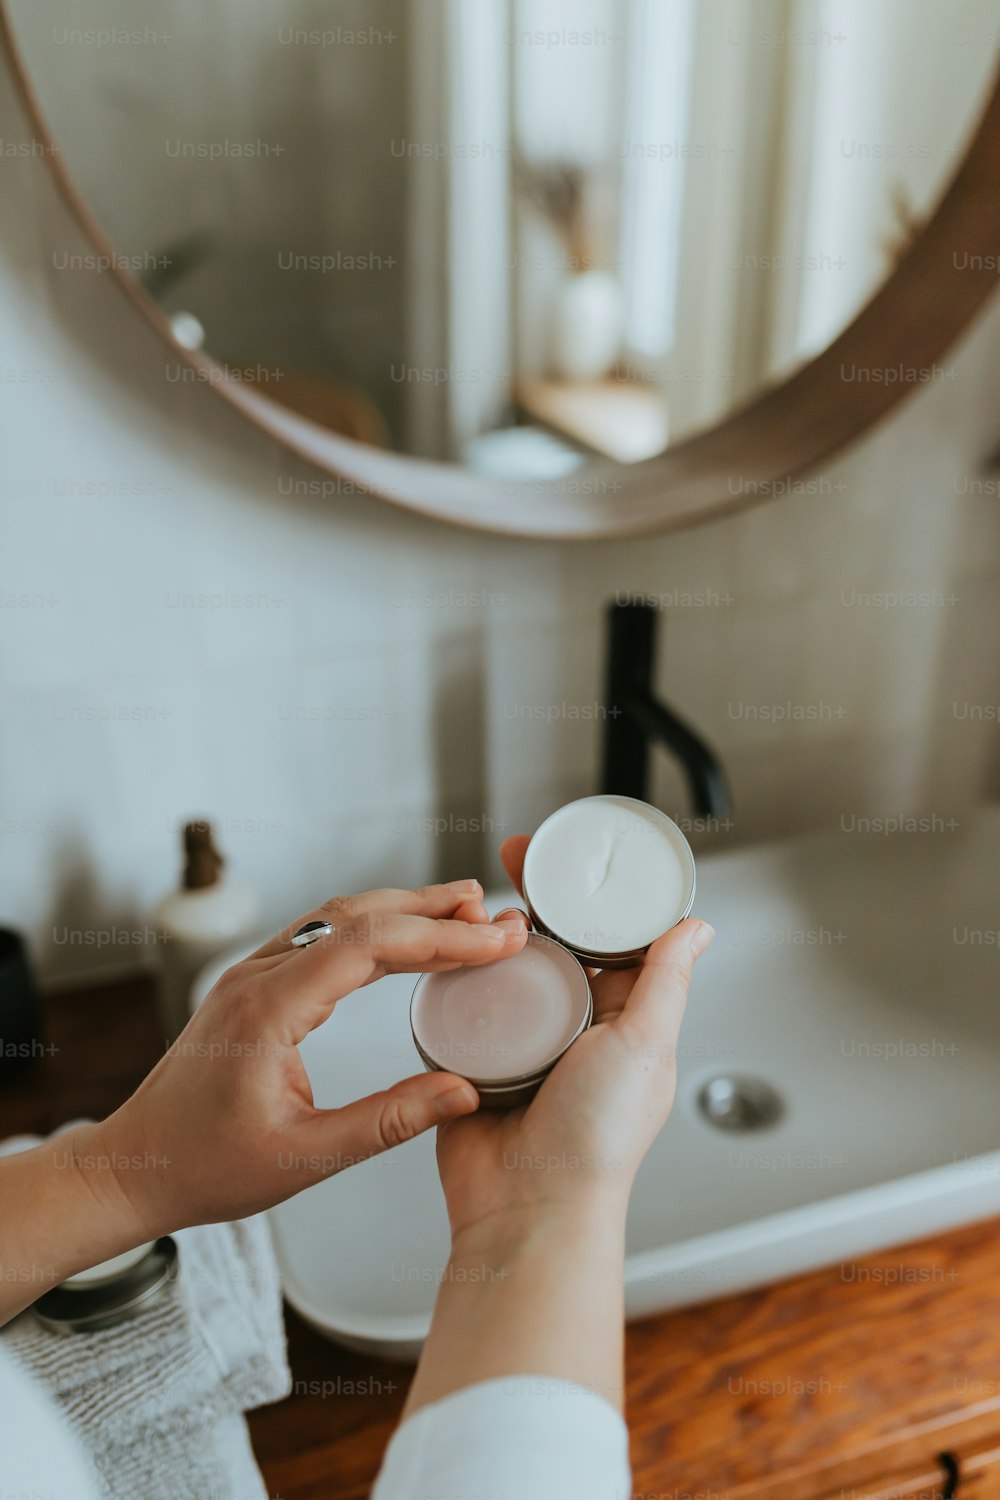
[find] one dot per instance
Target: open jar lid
(112, 1293)
(505, 1024)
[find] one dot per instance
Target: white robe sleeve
(39, 1456)
(521, 1438)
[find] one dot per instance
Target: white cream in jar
(605, 876)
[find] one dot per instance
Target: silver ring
(311, 932)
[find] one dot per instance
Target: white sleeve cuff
(524, 1437)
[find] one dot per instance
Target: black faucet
(635, 718)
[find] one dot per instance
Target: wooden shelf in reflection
(618, 419)
(339, 408)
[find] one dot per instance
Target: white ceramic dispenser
(209, 914)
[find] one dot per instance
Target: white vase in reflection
(587, 323)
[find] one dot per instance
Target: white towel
(158, 1401)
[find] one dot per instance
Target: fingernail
(510, 924)
(701, 938)
(457, 1101)
(494, 932)
(461, 886)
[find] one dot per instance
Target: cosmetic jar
(504, 1025)
(114, 1292)
(605, 876)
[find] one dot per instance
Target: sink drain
(739, 1104)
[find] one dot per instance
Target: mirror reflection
(516, 234)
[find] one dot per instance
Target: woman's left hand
(225, 1125)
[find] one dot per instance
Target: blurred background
(608, 223)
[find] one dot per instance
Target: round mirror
(534, 240)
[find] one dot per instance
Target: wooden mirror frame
(781, 435)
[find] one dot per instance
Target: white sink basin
(857, 974)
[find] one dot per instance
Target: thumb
(342, 1137)
(655, 1008)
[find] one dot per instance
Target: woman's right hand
(582, 1137)
(537, 1196)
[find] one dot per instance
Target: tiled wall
(388, 695)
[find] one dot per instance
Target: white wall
(895, 105)
(386, 679)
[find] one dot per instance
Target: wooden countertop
(844, 1383)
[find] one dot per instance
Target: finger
(425, 901)
(512, 852)
(340, 1138)
(654, 1009)
(472, 911)
(611, 989)
(514, 914)
(301, 993)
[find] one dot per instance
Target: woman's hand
(229, 1111)
(582, 1137)
(225, 1124)
(537, 1196)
